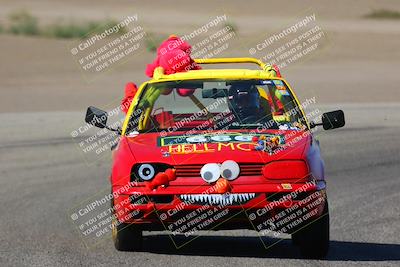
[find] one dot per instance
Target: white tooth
(253, 195)
(183, 197)
(245, 197)
(240, 197)
(197, 197)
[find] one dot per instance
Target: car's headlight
(146, 172)
(230, 170)
(210, 172)
(286, 169)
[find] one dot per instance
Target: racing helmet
(244, 101)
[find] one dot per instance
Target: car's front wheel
(126, 237)
(313, 240)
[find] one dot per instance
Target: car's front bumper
(246, 206)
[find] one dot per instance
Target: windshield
(216, 104)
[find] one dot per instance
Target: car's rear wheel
(313, 240)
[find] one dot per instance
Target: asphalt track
(43, 175)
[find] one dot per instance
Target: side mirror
(96, 117)
(331, 120)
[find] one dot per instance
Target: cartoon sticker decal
(268, 144)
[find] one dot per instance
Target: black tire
(313, 240)
(295, 239)
(126, 237)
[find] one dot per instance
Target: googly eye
(146, 172)
(230, 170)
(210, 172)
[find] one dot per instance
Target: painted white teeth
(218, 199)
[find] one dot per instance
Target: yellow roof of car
(215, 74)
(266, 71)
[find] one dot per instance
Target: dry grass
(22, 22)
(383, 14)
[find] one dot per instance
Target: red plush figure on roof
(173, 55)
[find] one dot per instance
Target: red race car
(218, 149)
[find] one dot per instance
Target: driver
(244, 102)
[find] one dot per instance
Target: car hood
(179, 148)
